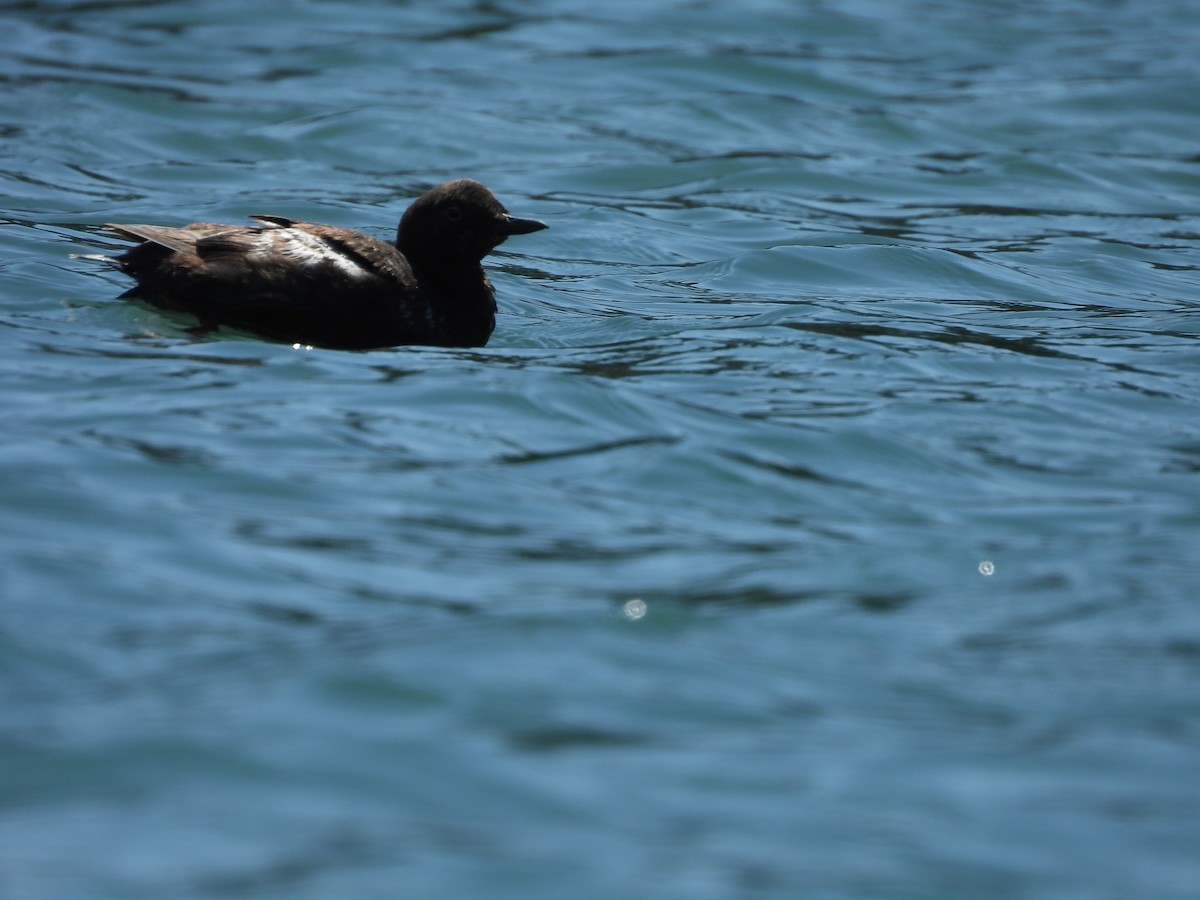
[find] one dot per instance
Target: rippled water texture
(822, 519)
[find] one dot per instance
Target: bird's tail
(96, 257)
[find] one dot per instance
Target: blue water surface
(822, 519)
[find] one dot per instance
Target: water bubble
(987, 567)
(634, 609)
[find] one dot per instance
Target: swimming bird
(321, 285)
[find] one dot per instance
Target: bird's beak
(513, 225)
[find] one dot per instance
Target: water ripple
(833, 461)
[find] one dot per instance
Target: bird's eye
(453, 214)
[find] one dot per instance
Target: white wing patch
(306, 249)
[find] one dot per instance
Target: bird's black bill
(513, 225)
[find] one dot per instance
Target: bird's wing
(278, 251)
(277, 221)
(180, 239)
(371, 254)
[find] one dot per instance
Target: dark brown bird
(332, 287)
